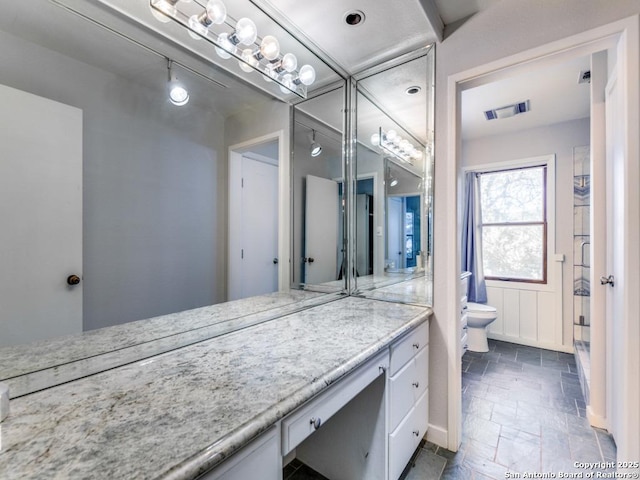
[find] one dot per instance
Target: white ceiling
(553, 91)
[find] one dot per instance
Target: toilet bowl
(478, 317)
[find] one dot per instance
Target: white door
(615, 187)
(40, 217)
(395, 215)
(259, 253)
(321, 230)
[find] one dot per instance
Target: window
(514, 224)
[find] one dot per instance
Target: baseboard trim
(438, 435)
(596, 420)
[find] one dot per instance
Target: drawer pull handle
(382, 368)
(316, 422)
(416, 433)
(416, 384)
(416, 345)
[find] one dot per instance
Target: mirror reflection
(122, 203)
(394, 164)
(318, 205)
(142, 201)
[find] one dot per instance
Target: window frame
(549, 162)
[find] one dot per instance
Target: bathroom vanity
(342, 385)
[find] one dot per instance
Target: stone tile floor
(523, 412)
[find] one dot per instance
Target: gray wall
(152, 200)
(503, 30)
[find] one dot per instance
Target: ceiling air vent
(507, 111)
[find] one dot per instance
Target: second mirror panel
(394, 165)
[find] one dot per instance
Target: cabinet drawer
(401, 394)
(310, 416)
(406, 438)
(405, 349)
(421, 378)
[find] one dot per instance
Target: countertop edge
(216, 453)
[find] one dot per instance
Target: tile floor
(523, 411)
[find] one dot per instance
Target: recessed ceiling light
(413, 90)
(354, 18)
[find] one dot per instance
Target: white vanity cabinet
(464, 288)
(408, 397)
(365, 426)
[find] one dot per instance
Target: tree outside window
(514, 224)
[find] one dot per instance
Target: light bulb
(197, 29)
(166, 10)
(270, 47)
(247, 56)
(225, 47)
(375, 139)
(178, 95)
(289, 62)
(307, 74)
(246, 31)
(269, 73)
(316, 149)
(393, 182)
(216, 11)
(287, 81)
(405, 145)
(391, 136)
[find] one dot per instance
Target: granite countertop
(31, 367)
(180, 413)
(416, 291)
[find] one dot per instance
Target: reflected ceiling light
(242, 42)
(316, 148)
(178, 94)
(393, 181)
(397, 146)
(269, 48)
(215, 12)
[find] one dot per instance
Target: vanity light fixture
(316, 148)
(178, 94)
(399, 147)
(238, 39)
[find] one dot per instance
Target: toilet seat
(480, 310)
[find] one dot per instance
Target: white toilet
(478, 317)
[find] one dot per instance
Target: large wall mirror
(118, 204)
(393, 185)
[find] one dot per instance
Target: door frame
(234, 153)
(626, 33)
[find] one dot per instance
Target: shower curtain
(472, 240)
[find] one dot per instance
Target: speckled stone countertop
(32, 367)
(416, 291)
(180, 413)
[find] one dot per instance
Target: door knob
(73, 280)
(610, 280)
(275, 261)
(308, 259)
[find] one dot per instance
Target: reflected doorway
(253, 220)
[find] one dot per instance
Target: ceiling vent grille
(507, 111)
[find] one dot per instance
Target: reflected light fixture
(238, 39)
(316, 148)
(393, 181)
(399, 147)
(178, 94)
